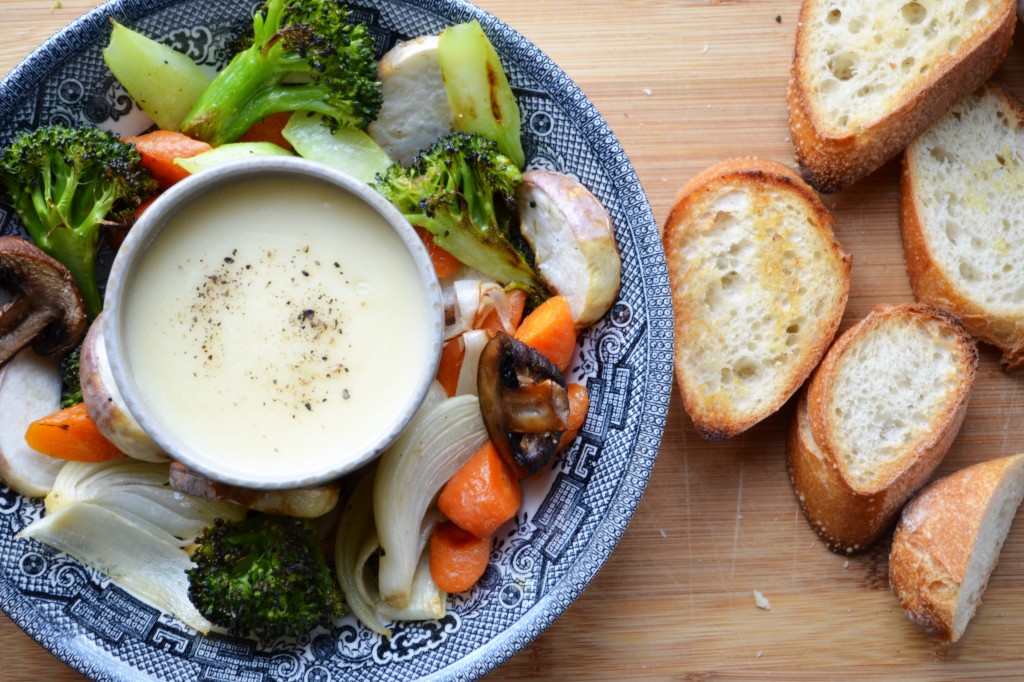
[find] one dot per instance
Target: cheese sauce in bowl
(273, 323)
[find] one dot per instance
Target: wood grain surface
(684, 83)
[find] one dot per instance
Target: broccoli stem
(77, 250)
(74, 247)
(221, 114)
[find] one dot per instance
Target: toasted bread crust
(878, 500)
(935, 540)
(931, 282)
(720, 418)
(848, 522)
(829, 161)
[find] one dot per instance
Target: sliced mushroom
(306, 502)
(524, 403)
(45, 310)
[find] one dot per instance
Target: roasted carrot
(160, 148)
(550, 329)
(143, 206)
(515, 302)
(448, 369)
(70, 434)
(445, 264)
(579, 403)
(457, 558)
(115, 232)
(483, 494)
(269, 130)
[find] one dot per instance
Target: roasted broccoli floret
(65, 184)
(70, 379)
(304, 56)
(265, 575)
(463, 191)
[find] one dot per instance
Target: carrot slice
(269, 129)
(445, 264)
(483, 494)
(579, 403)
(144, 206)
(160, 148)
(550, 329)
(515, 302)
(448, 369)
(71, 434)
(457, 558)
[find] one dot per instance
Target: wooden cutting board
(685, 83)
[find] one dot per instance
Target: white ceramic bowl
(254, 383)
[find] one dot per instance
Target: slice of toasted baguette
(883, 409)
(948, 540)
(847, 521)
(868, 77)
(963, 232)
(759, 284)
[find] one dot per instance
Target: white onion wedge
(356, 544)
(475, 340)
(410, 474)
(427, 601)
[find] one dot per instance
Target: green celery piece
(226, 153)
(346, 149)
(479, 94)
(164, 82)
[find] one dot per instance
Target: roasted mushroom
(524, 403)
(45, 310)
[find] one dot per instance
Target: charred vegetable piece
(70, 378)
(265, 575)
(463, 191)
(305, 55)
(307, 503)
(478, 90)
(66, 185)
(524, 402)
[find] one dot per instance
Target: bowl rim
(151, 226)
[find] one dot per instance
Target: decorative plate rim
(81, 33)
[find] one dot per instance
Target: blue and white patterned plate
(572, 517)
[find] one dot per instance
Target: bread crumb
(648, 92)
(778, 18)
(760, 654)
(846, 565)
(706, 48)
(762, 601)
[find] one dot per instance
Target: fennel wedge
(410, 475)
(123, 519)
(139, 492)
(355, 548)
(146, 565)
